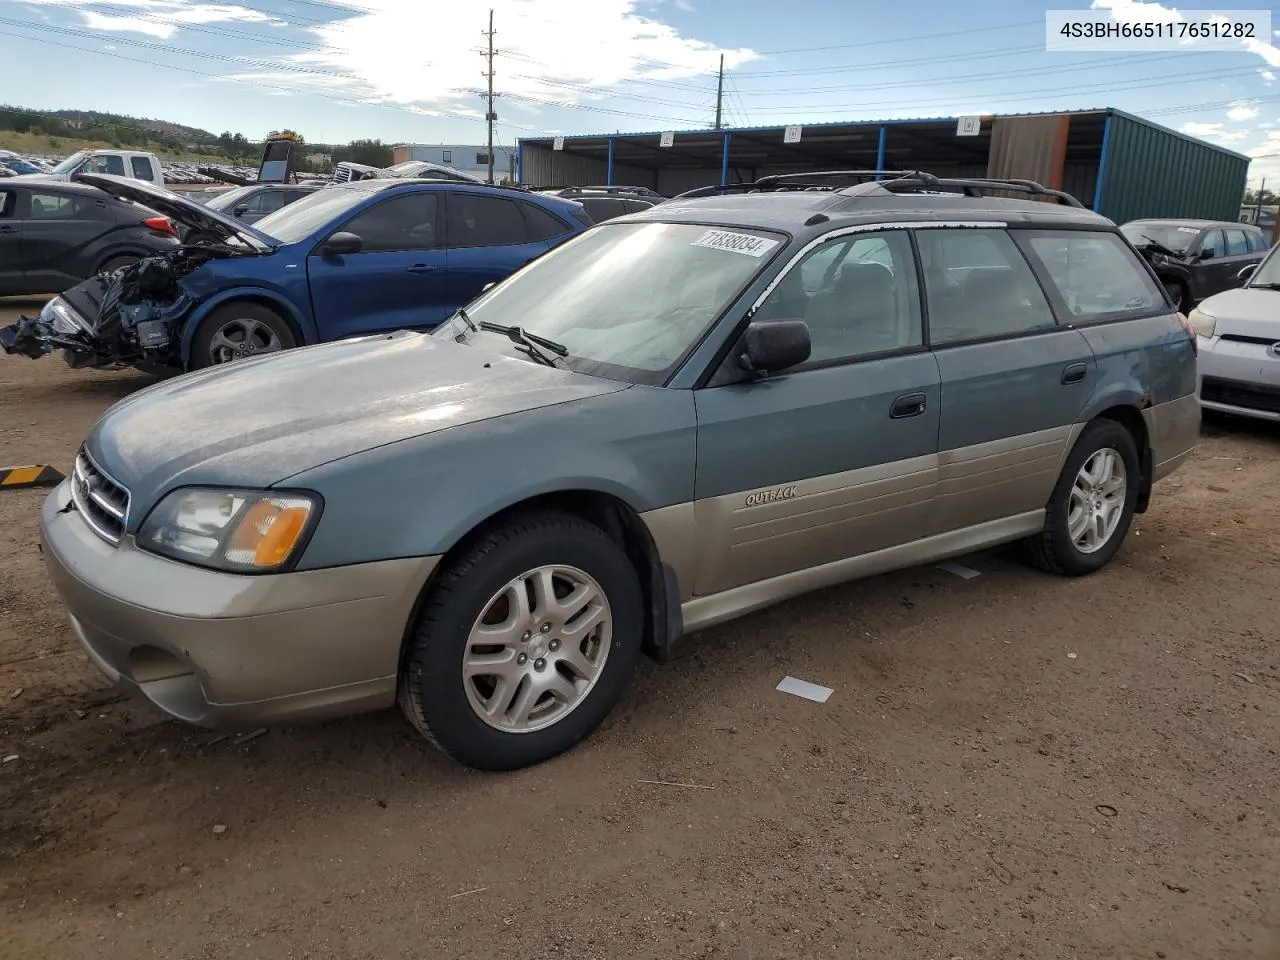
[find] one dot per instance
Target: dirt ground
(1011, 766)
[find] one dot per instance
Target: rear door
(396, 281)
(11, 265)
(1013, 381)
(489, 238)
(59, 236)
(1239, 254)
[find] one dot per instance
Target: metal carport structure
(1118, 164)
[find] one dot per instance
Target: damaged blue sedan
(364, 258)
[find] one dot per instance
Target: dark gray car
(675, 419)
(54, 234)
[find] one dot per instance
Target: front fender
(273, 298)
(420, 497)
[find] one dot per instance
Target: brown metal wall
(1029, 148)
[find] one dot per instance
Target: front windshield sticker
(735, 242)
(1188, 230)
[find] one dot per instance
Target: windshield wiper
(1264, 286)
(466, 318)
(535, 346)
(1160, 247)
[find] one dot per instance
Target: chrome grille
(342, 173)
(102, 502)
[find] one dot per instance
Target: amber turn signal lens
(268, 532)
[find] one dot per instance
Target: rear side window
(603, 208)
(57, 206)
(1094, 275)
(979, 285)
(141, 167)
(476, 221)
(1257, 243)
(1237, 245)
(8, 200)
(542, 225)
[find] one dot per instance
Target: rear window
(1094, 275)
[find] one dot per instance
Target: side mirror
(1246, 272)
(241, 210)
(1206, 254)
(343, 242)
(772, 345)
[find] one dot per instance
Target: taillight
(1191, 332)
(161, 225)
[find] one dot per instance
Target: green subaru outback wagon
(680, 417)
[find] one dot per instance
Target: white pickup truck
(120, 163)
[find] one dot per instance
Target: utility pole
(1257, 207)
(490, 116)
(720, 92)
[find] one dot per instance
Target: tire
(115, 263)
(1178, 294)
(238, 330)
(1055, 549)
(446, 705)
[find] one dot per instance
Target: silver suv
(675, 419)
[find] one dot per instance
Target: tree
(286, 135)
(374, 153)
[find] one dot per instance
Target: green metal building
(1118, 164)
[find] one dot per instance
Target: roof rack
(873, 182)
(576, 190)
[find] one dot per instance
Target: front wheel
(524, 644)
(237, 331)
(1092, 505)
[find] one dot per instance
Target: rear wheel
(1092, 505)
(237, 331)
(525, 643)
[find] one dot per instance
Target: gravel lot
(1011, 766)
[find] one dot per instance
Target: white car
(1238, 334)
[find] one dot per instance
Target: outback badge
(770, 496)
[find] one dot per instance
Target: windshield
(1168, 235)
(304, 217)
(629, 300)
(226, 201)
(72, 162)
(20, 166)
(1268, 272)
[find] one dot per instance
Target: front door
(489, 238)
(396, 281)
(1211, 269)
(834, 458)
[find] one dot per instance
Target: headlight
(241, 531)
(1203, 323)
(59, 315)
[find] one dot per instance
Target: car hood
(257, 422)
(1246, 312)
(189, 213)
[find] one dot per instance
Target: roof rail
(871, 182)
(630, 191)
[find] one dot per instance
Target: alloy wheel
(1097, 500)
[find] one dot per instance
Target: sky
(413, 70)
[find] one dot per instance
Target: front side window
(1094, 274)
(1212, 245)
(476, 221)
(979, 285)
(1237, 245)
(8, 201)
(405, 222)
(109, 164)
(626, 300)
(858, 295)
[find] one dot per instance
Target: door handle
(422, 268)
(1074, 372)
(907, 405)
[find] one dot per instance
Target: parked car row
(661, 423)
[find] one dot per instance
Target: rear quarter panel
(419, 497)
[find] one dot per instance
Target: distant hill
(93, 117)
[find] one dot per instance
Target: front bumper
(1239, 377)
(226, 651)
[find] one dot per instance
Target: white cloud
(1267, 76)
(1198, 129)
(158, 18)
(1241, 111)
(401, 53)
(1141, 11)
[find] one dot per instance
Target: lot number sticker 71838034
(743, 243)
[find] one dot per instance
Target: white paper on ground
(967, 573)
(803, 688)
